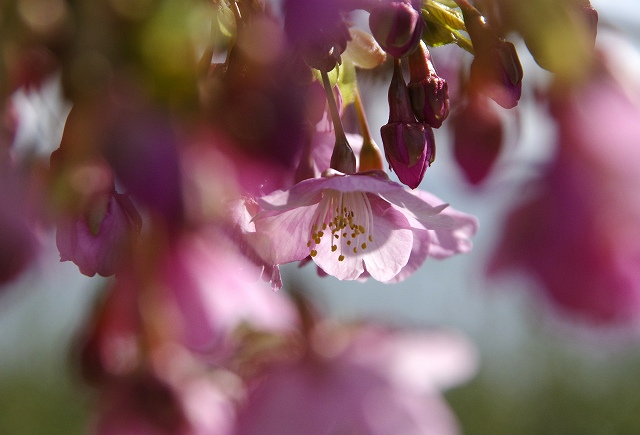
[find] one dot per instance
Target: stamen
(349, 219)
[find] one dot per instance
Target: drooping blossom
(350, 224)
(578, 235)
(368, 380)
(397, 26)
(215, 290)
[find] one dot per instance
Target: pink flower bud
(477, 138)
(428, 92)
(496, 70)
(408, 145)
(397, 26)
(410, 149)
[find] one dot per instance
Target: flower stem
(342, 158)
(333, 107)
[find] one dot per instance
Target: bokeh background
(540, 372)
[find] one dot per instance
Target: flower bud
(477, 138)
(496, 70)
(410, 149)
(429, 93)
(409, 145)
(397, 26)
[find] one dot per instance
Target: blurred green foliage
(568, 400)
(31, 404)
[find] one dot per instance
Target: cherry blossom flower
(214, 291)
(350, 224)
(578, 234)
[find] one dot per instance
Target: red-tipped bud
(408, 145)
(429, 93)
(410, 149)
(477, 138)
(496, 70)
(397, 26)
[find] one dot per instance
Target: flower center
(346, 218)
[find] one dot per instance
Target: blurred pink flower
(215, 290)
(478, 137)
(579, 235)
(367, 380)
(350, 224)
(182, 401)
(98, 241)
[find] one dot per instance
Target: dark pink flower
(317, 28)
(579, 234)
(397, 26)
(477, 138)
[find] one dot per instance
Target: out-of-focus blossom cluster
(210, 142)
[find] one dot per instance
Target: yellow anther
(341, 258)
(313, 253)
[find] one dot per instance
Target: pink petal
(419, 254)
(281, 237)
(392, 242)
(446, 242)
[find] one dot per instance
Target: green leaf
(226, 20)
(347, 82)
